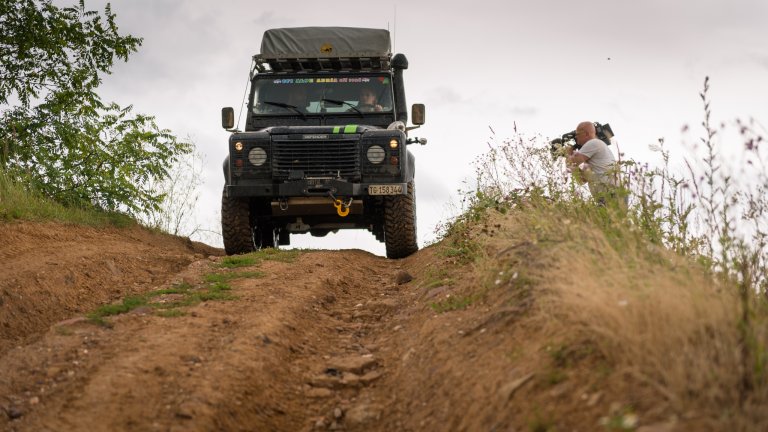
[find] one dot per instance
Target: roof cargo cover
(324, 42)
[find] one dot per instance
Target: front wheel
(236, 227)
(400, 224)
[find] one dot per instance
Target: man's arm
(576, 158)
(573, 160)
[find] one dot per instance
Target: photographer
(594, 163)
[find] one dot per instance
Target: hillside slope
(522, 321)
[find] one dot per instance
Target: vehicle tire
(236, 226)
(400, 224)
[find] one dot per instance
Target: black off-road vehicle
(325, 142)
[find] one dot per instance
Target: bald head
(585, 131)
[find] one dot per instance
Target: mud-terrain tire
(400, 224)
(236, 226)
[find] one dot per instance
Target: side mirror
(417, 114)
(227, 118)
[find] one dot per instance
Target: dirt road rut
(298, 349)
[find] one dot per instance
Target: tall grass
(691, 336)
(19, 201)
(716, 213)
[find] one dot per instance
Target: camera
(604, 133)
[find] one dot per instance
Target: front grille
(329, 158)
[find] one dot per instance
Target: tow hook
(342, 208)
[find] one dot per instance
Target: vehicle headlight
(376, 154)
(257, 156)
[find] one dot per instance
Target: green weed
(226, 277)
(170, 313)
(127, 305)
(453, 303)
(237, 261)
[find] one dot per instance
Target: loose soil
(315, 340)
(338, 340)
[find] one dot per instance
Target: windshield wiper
(338, 102)
(285, 105)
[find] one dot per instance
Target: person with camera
(592, 162)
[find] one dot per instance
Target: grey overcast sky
(543, 65)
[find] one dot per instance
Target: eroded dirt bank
(52, 271)
(332, 340)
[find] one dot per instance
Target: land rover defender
(325, 142)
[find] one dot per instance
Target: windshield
(322, 94)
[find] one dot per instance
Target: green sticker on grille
(347, 129)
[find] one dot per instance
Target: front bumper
(305, 188)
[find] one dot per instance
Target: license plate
(385, 189)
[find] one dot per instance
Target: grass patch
(237, 261)
(216, 288)
(170, 313)
(254, 258)
(453, 303)
(128, 304)
(226, 277)
(180, 288)
(435, 278)
(270, 254)
(18, 202)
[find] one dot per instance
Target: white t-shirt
(600, 161)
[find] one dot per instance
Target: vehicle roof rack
(317, 64)
(311, 49)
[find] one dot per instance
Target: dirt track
(332, 341)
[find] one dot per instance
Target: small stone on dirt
(382, 305)
(71, 321)
(370, 377)
(113, 268)
(34, 400)
(337, 413)
(350, 380)
(326, 381)
(14, 412)
(434, 292)
(360, 414)
(508, 390)
(191, 359)
(318, 392)
(403, 277)
(142, 310)
(352, 364)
